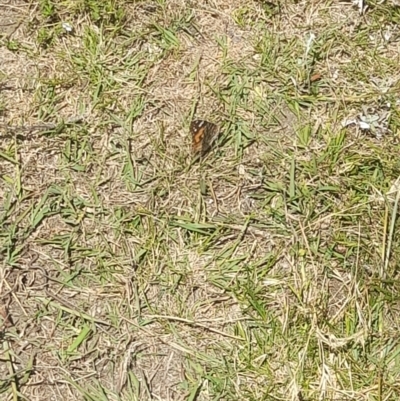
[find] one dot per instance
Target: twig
(38, 127)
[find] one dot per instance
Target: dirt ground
(266, 269)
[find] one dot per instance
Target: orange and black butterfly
(204, 135)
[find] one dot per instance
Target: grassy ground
(268, 270)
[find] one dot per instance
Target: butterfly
(203, 134)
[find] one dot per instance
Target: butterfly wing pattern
(203, 134)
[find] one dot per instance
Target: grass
(267, 270)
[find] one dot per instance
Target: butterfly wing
(197, 129)
(204, 134)
(211, 134)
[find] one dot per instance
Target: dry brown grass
(129, 272)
